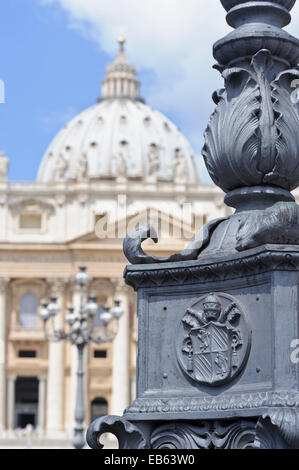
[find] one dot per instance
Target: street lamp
(81, 331)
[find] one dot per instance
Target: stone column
(41, 403)
(55, 402)
(121, 357)
(11, 389)
(3, 327)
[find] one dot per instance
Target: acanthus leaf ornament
(205, 435)
(254, 127)
(287, 144)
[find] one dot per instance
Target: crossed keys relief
(216, 339)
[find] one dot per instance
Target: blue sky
(50, 74)
(53, 55)
(52, 69)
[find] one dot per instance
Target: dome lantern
(119, 138)
(121, 79)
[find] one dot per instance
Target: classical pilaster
(42, 403)
(11, 389)
(3, 288)
(55, 393)
(60, 216)
(121, 356)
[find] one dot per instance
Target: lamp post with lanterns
(81, 331)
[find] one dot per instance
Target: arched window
(28, 311)
(99, 407)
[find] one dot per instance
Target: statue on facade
(180, 167)
(153, 157)
(82, 168)
(121, 165)
(4, 167)
(60, 168)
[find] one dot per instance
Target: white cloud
(173, 39)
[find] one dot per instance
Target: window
(27, 354)
(100, 354)
(28, 311)
(30, 221)
(26, 402)
(99, 407)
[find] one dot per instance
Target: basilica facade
(109, 167)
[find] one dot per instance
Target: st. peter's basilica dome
(120, 137)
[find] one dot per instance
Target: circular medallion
(214, 339)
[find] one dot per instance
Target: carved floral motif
(255, 433)
(205, 435)
(251, 138)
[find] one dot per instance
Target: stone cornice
(58, 284)
(237, 402)
(256, 261)
(135, 187)
(3, 284)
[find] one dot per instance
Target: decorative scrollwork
(181, 436)
(205, 435)
(129, 436)
(275, 433)
(286, 420)
(135, 254)
(237, 435)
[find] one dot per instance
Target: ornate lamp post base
(183, 435)
(79, 440)
(215, 368)
(217, 322)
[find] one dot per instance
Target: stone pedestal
(121, 348)
(222, 381)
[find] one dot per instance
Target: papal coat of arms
(216, 339)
